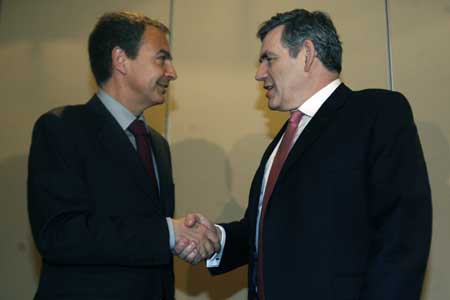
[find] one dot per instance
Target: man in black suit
(340, 206)
(100, 187)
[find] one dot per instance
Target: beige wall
(218, 123)
(420, 32)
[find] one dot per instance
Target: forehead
(272, 41)
(154, 39)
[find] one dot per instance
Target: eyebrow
(165, 53)
(265, 55)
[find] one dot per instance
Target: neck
(323, 80)
(317, 82)
(115, 89)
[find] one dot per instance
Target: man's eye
(161, 59)
(267, 60)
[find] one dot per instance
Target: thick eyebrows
(265, 55)
(164, 53)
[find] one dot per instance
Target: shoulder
(389, 110)
(67, 112)
(69, 118)
(382, 99)
(379, 103)
(61, 114)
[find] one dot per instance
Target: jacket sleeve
(65, 224)
(236, 250)
(400, 206)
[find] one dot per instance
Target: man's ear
(119, 59)
(310, 54)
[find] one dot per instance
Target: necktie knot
(137, 128)
(295, 117)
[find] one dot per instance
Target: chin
(273, 106)
(158, 101)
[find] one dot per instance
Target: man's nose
(261, 72)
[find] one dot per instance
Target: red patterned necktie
(280, 157)
(137, 128)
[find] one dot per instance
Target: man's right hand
(196, 238)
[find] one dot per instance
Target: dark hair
(116, 29)
(301, 25)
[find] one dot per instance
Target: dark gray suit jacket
(100, 229)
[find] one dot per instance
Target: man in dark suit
(340, 206)
(100, 187)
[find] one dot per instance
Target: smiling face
(149, 74)
(283, 76)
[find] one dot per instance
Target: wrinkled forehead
(272, 40)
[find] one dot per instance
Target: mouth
(268, 88)
(163, 86)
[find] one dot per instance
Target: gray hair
(300, 25)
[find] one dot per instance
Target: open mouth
(164, 86)
(268, 88)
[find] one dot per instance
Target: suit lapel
(258, 178)
(163, 170)
(118, 147)
(316, 127)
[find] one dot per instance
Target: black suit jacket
(100, 229)
(350, 214)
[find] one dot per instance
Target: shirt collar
(312, 104)
(122, 115)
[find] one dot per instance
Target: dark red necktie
(137, 128)
(280, 157)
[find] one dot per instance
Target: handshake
(196, 238)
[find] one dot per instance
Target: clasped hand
(196, 238)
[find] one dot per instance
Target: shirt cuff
(214, 261)
(171, 233)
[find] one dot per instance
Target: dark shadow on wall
(21, 262)
(437, 154)
(245, 157)
(202, 180)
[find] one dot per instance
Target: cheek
(152, 79)
(278, 77)
(292, 80)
